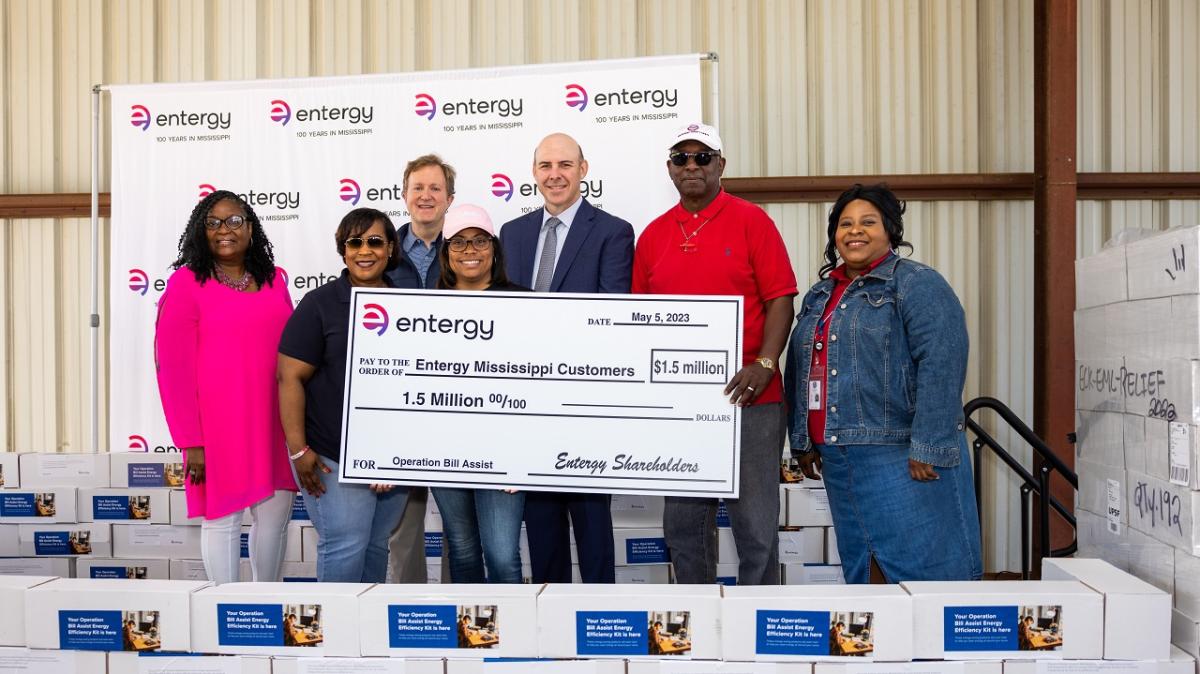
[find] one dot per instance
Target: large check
(549, 392)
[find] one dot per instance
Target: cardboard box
(123, 569)
(635, 511)
(156, 541)
(804, 546)
(138, 469)
(12, 598)
(10, 540)
(286, 665)
(300, 619)
(726, 547)
(1167, 512)
(615, 621)
(727, 574)
(927, 667)
(1187, 582)
(796, 623)
(187, 569)
(1179, 663)
(1093, 338)
(1163, 264)
(1098, 384)
(1100, 438)
(37, 566)
(464, 621)
(1185, 633)
(644, 574)
(1163, 388)
(64, 540)
(811, 574)
(1100, 278)
(433, 546)
(433, 516)
(650, 667)
(308, 543)
(807, 506)
(640, 546)
(454, 666)
(184, 663)
(138, 505)
(178, 510)
(978, 620)
(38, 506)
(1151, 560)
(40, 469)
(1137, 615)
(10, 470)
(1097, 541)
(1103, 489)
(832, 556)
(27, 661)
(83, 614)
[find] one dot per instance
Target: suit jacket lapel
(579, 231)
(527, 246)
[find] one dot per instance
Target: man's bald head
(558, 168)
(558, 140)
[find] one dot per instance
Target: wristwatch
(766, 362)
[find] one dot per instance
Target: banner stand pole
(94, 319)
(714, 87)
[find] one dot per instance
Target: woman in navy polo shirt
(876, 366)
(353, 521)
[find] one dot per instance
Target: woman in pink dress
(219, 323)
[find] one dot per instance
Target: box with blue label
(123, 569)
(37, 506)
(864, 622)
(297, 619)
(36, 566)
(65, 540)
(462, 621)
(640, 546)
(139, 469)
(29, 661)
(187, 663)
(135, 505)
(287, 665)
(10, 470)
(1137, 615)
(12, 598)
(116, 615)
(544, 666)
(41, 469)
(636, 510)
(630, 621)
(727, 574)
(156, 541)
(807, 506)
(986, 620)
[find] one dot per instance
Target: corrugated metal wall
(822, 87)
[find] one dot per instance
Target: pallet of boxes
(1137, 349)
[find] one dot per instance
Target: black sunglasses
(702, 158)
(373, 242)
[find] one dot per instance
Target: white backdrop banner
(304, 152)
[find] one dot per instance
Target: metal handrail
(1031, 484)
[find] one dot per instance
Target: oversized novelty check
(549, 392)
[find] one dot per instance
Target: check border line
(542, 486)
(662, 325)
(484, 376)
(614, 477)
(525, 414)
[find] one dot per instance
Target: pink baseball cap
(465, 217)
(698, 132)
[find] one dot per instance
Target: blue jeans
(914, 530)
(690, 524)
(481, 527)
(353, 526)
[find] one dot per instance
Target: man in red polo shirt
(712, 243)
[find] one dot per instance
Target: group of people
(252, 390)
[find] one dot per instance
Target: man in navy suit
(568, 246)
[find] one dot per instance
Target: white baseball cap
(466, 216)
(698, 132)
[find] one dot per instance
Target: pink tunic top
(216, 350)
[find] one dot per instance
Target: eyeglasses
(373, 242)
(459, 244)
(234, 222)
(702, 158)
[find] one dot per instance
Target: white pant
(221, 540)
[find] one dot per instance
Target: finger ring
(749, 388)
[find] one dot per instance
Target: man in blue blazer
(568, 246)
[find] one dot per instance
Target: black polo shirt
(317, 333)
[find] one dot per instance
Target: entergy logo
(349, 191)
(375, 318)
(502, 186)
(577, 97)
(426, 106)
(139, 282)
(138, 444)
(206, 189)
(281, 112)
(139, 115)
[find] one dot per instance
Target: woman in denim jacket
(874, 381)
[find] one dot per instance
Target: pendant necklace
(687, 246)
(239, 285)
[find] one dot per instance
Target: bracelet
(299, 454)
